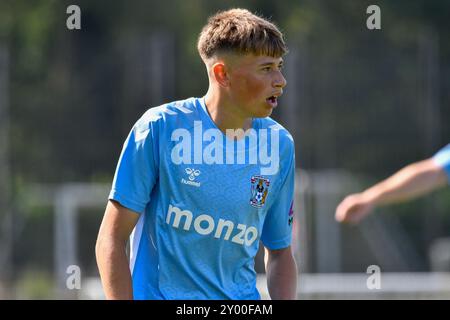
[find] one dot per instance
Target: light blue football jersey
(442, 158)
(204, 200)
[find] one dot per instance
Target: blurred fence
(70, 215)
(340, 286)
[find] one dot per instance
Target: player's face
(256, 82)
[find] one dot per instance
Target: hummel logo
(193, 173)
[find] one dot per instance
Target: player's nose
(279, 80)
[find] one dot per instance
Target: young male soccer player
(412, 181)
(200, 181)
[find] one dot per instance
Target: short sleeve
(137, 170)
(277, 229)
(442, 159)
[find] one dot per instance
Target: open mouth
(272, 100)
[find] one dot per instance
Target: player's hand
(353, 208)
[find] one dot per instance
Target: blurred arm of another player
(412, 181)
(110, 250)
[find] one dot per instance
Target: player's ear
(220, 73)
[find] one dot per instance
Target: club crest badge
(259, 189)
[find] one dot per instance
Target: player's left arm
(281, 271)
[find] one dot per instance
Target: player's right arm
(136, 174)
(412, 181)
(110, 250)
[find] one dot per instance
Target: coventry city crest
(259, 188)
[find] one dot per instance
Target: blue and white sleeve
(137, 169)
(442, 159)
(277, 230)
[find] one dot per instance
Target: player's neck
(224, 114)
